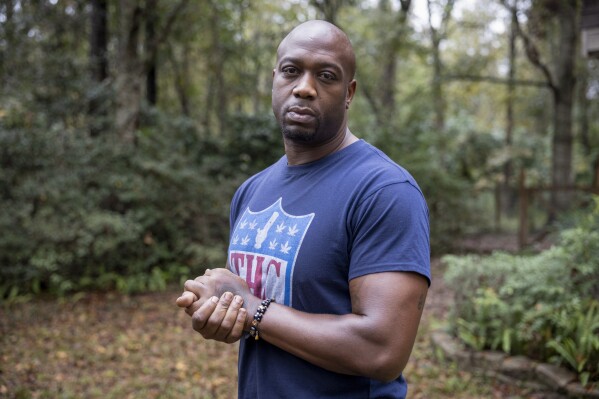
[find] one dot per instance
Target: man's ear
(351, 90)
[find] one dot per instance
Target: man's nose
(306, 87)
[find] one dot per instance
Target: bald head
(328, 36)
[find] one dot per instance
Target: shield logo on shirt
(264, 247)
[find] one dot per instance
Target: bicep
(391, 305)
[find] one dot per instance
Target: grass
(115, 346)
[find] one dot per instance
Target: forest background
(125, 126)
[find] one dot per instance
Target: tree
(559, 74)
(151, 59)
(130, 69)
(381, 88)
(330, 8)
(506, 198)
(437, 35)
(98, 45)
(137, 64)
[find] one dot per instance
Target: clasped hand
(215, 303)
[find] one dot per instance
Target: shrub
(82, 213)
(544, 306)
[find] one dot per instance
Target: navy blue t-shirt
(301, 233)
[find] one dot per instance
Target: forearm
(374, 341)
(347, 344)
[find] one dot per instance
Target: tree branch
(165, 31)
(372, 101)
(496, 80)
(532, 52)
(446, 15)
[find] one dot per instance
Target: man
(334, 232)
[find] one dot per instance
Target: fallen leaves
(108, 346)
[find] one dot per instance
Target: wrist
(254, 328)
(251, 304)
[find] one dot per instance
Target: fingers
(197, 287)
(201, 316)
(191, 309)
(186, 299)
(218, 325)
(237, 330)
(229, 325)
(221, 319)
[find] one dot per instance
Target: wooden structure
(526, 194)
(590, 28)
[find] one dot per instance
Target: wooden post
(523, 216)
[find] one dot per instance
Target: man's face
(312, 88)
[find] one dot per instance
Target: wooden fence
(526, 195)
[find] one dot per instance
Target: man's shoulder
(380, 169)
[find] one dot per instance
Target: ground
(115, 346)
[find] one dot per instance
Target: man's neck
(298, 154)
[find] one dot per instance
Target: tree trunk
(437, 35)
(561, 171)
(181, 78)
(98, 63)
(216, 96)
(151, 63)
(380, 94)
(561, 168)
(388, 85)
(508, 199)
(130, 71)
(437, 89)
(99, 40)
(7, 53)
(562, 83)
(328, 8)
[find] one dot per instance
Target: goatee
(301, 135)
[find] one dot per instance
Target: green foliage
(579, 343)
(90, 213)
(544, 306)
(83, 213)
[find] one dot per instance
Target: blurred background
(125, 126)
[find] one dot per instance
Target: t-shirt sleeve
(391, 232)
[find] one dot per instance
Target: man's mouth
(300, 114)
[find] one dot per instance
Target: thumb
(186, 299)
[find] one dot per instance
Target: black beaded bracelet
(258, 318)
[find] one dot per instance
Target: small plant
(579, 344)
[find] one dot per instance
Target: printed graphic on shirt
(264, 247)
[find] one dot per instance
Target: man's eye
(290, 70)
(327, 76)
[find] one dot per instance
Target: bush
(545, 306)
(82, 213)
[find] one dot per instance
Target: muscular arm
(374, 341)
